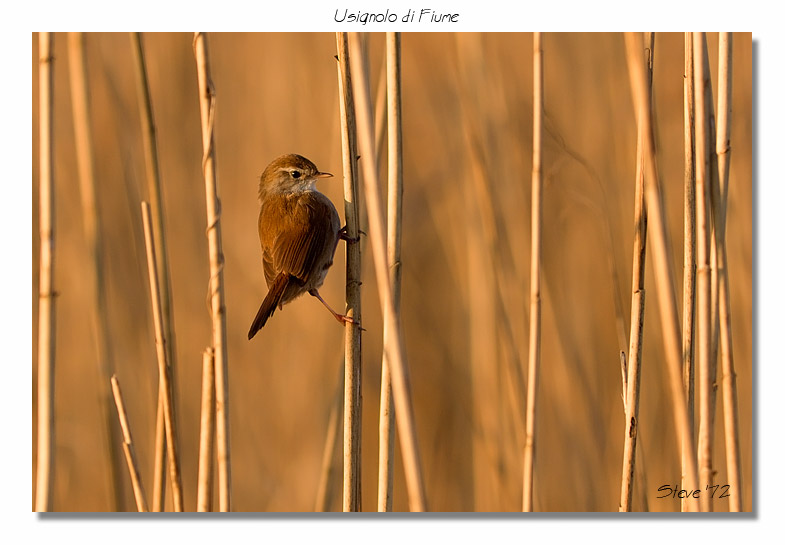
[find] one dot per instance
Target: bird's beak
(324, 175)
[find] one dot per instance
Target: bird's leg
(342, 318)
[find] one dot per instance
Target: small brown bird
(299, 230)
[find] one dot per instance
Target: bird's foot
(342, 318)
(343, 235)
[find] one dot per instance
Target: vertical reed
(128, 447)
(155, 196)
(394, 225)
(398, 366)
(204, 486)
(631, 385)
(46, 293)
(703, 280)
(535, 303)
(217, 297)
(730, 398)
(714, 266)
(159, 462)
(688, 306)
(661, 253)
(380, 114)
(164, 370)
(353, 335)
(638, 298)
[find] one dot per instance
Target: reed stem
(217, 297)
(128, 447)
(155, 196)
(638, 298)
(164, 370)
(703, 270)
(661, 254)
(353, 336)
(398, 366)
(46, 293)
(534, 291)
(204, 487)
(730, 396)
(394, 225)
(688, 306)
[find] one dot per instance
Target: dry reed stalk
(83, 140)
(638, 298)
(217, 298)
(395, 349)
(155, 196)
(714, 266)
(164, 370)
(631, 398)
(624, 379)
(380, 115)
(713, 248)
(384, 501)
(394, 225)
(128, 447)
(353, 335)
(730, 398)
(204, 486)
(159, 453)
(703, 270)
(661, 254)
(535, 312)
(46, 293)
(688, 301)
(329, 469)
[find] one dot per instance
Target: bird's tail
(270, 303)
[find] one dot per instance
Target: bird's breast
(298, 231)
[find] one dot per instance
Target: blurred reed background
(467, 140)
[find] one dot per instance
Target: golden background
(467, 113)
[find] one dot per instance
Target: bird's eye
(296, 174)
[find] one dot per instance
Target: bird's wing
(288, 246)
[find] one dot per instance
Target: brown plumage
(299, 230)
